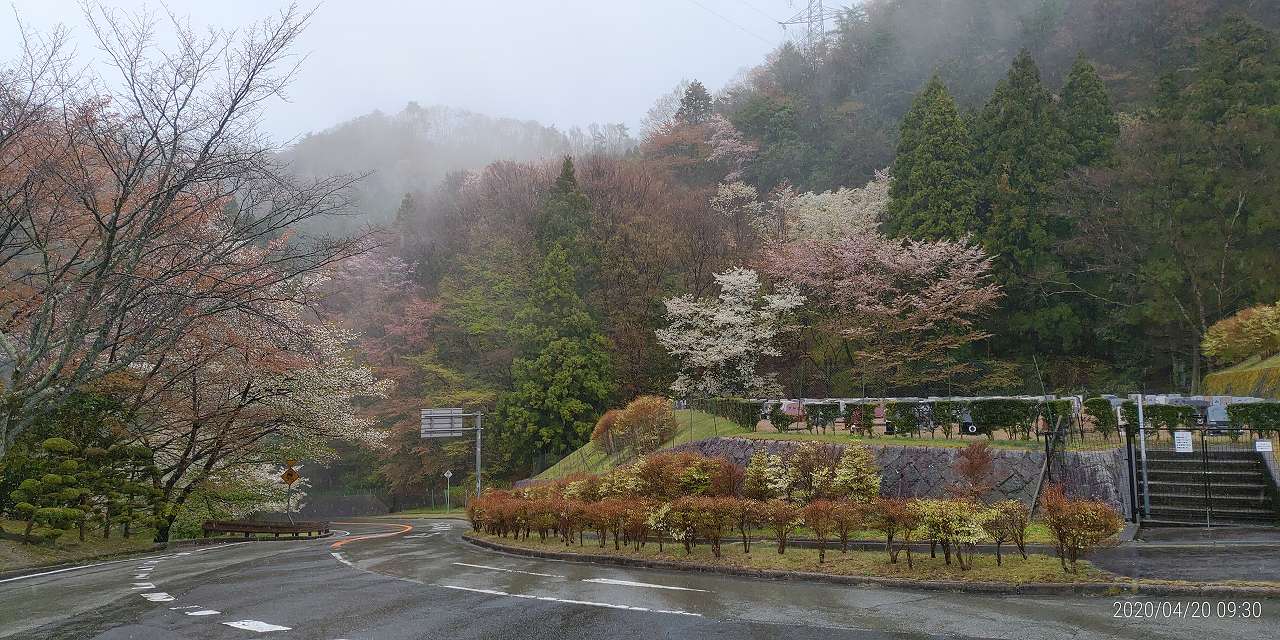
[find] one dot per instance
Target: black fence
(1202, 476)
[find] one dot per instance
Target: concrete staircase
(1230, 488)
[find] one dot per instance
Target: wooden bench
(249, 528)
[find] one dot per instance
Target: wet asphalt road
(428, 583)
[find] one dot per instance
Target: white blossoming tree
(790, 216)
(719, 343)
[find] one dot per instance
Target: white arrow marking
(256, 625)
(530, 573)
(628, 583)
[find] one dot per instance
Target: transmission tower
(814, 18)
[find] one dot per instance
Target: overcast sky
(562, 62)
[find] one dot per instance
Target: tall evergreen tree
(1087, 116)
(565, 215)
(564, 220)
(562, 378)
(934, 189)
(695, 106)
(1022, 151)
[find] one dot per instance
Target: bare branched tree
(136, 207)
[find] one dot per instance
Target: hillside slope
(694, 425)
(1260, 378)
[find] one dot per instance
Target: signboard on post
(290, 476)
(1182, 441)
(443, 423)
(1262, 446)
(448, 423)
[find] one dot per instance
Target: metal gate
(1202, 476)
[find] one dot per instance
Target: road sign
(448, 474)
(1262, 445)
(290, 476)
(443, 423)
(1182, 441)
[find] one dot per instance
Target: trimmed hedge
(821, 414)
(947, 414)
(1169, 417)
(1014, 415)
(902, 417)
(1261, 417)
(860, 418)
(1055, 408)
(780, 419)
(744, 413)
(1104, 418)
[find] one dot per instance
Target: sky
(560, 62)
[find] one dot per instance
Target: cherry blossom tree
(718, 343)
(903, 306)
(831, 214)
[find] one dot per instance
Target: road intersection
(419, 579)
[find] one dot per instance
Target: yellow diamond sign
(290, 476)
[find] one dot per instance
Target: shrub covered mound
(690, 501)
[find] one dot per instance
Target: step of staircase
(1216, 489)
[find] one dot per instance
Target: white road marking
(103, 564)
(589, 603)
(190, 606)
(142, 585)
(531, 573)
(628, 583)
(341, 559)
(256, 625)
(204, 612)
(141, 576)
(159, 596)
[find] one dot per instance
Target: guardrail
(249, 528)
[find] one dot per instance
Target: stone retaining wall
(920, 471)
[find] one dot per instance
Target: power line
(736, 25)
(758, 10)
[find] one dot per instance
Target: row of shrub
(689, 500)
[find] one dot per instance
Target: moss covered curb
(1136, 587)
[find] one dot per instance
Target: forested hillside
(944, 197)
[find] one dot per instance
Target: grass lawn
(1037, 533)
(68, 548)
(694, 425)
(1036, 568)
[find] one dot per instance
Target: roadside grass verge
(1037, 568)
(694, 425)
(15, 554)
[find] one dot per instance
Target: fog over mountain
(411, 151)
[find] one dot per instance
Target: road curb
(1037, 588)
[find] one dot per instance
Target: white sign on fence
(1262, 445)
(1182, 441)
